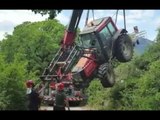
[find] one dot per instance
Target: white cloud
(6, 25)
(120, 18)
(19, 16)
(63, 18)
(11, 18)
(139, 16)
(149, 13)
(135, 14)
(156, 22)
(104, 13)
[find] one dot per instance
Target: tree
(23, 56)
(137, 84)
(12, 79)
(52, 13)
(37, 42)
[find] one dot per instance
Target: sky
(148, 20)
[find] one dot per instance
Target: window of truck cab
(86, 40)
(107, 32)
(111, 28)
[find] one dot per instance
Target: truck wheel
(124, 48)
(106, 75)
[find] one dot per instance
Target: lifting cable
(87, 18)
(124, 15)
(116, 17)
(93, 14)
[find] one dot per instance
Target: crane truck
(76, 64)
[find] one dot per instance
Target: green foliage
(12, 79)
(148, 89)
(23, 56)
(137, 84)
(96, 95)
(52, 13)
(37, 42)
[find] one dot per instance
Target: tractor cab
(104, 42)
(99, 34)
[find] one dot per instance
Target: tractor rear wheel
(124, 48)
(106, 75)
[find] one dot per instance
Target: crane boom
(72, 28)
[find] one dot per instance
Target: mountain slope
(142, 46)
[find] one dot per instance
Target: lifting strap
(87, 18)
(116, 17)
(93, 14)
(124, 15)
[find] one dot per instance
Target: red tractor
(76, 64)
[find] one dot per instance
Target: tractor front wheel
(124, 48)
(106, 75)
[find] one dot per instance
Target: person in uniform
(60, 98)
(33, 96)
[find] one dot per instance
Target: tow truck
(76, 64)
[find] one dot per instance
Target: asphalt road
(50, 108)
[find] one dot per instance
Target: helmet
(60, 86)
(29, 83)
